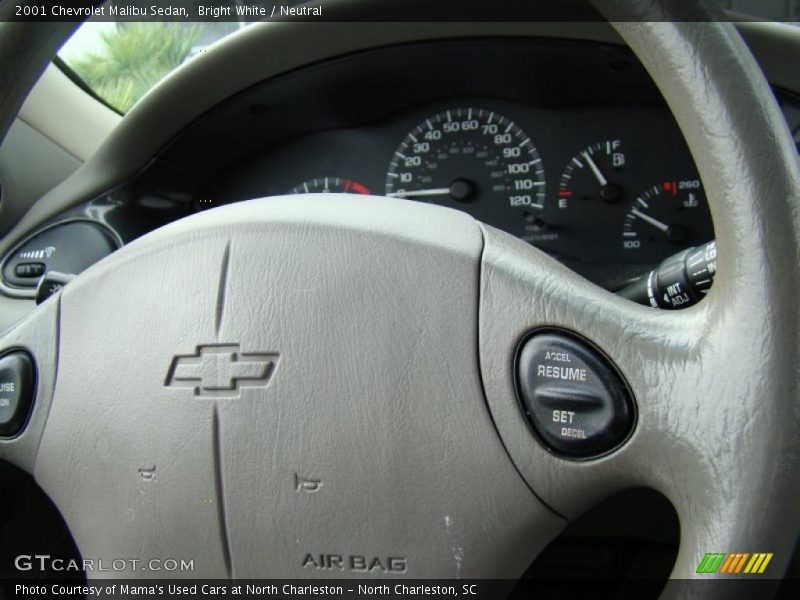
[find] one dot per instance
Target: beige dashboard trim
(62, 111)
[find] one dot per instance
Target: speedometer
(473, 159)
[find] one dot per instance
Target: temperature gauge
(665, 218)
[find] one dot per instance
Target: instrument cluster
(608, 190)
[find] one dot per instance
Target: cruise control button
(16, 392)
(575, 400)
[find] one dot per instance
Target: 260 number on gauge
(469, 155)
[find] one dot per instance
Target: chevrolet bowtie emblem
(220, 371)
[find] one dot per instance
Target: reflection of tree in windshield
(133, 58)
(123, 60)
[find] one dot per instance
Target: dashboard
(600, 188)
(567, 145)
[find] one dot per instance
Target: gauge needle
(420, 193)
(588, 158)
(648, 219)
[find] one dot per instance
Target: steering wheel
(326, 386)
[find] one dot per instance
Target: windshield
(120, 62)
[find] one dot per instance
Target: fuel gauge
(579, 222)
(594, 173)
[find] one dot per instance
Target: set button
(573, 398)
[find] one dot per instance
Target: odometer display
(475, 157)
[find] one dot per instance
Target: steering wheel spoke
(26, 394)
(703, 407)
(659, 355)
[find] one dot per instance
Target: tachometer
(330, 185)
(474, 157)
